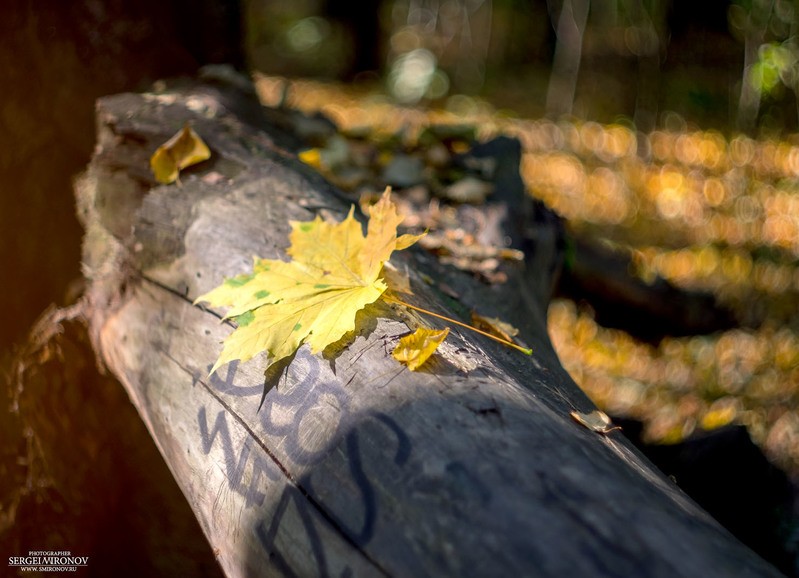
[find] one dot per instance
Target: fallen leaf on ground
(398, 281)
(414, 349)
(335, 271)
(183, 150)
(457, 248)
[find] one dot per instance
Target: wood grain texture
(355, 466)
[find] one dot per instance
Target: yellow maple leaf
(383, 217)
(184, 149)
(334, 272)
(414, 349)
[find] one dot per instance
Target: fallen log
(354, 465)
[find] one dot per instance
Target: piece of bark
(355, 466)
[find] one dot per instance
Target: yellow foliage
(335, 271)
(414, 349)
(312, 157)
(183, 150)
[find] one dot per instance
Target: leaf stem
(524, 350)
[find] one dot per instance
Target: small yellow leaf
(597, 421)
(414, 349)
(495, 326)
(721, 413)
(334, 154)
(184, 149)
(311, 157)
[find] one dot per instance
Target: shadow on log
(355, 466)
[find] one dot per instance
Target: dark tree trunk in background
(210, 30)
(651, 41)
(362, 21)
(76, 469)
(56, 58)
(569, 29)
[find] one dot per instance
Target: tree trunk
(569, 31)
(354, 465)
(754, 37)
(56, 59)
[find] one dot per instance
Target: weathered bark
(354, 465)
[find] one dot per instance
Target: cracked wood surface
(355, 466)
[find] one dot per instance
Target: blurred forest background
(729, 65)
(663, 129)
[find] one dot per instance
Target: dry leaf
(334, 154)
(184, 149)
(495, 326)
(414, 349)
(597, 421)
(460, 249)
(468, 190)
(335, 271)
(312, 157)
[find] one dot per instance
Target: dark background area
(56, 59)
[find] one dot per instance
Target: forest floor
(705, 212)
